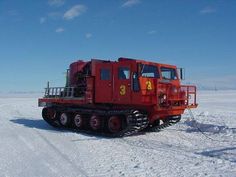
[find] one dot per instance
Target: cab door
(103, 85)
(122, 83)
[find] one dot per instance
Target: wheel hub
(114, 124)
(95, 122)
(78, 120)
(63, 119)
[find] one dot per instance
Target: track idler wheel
(95, 122)
(114, 124)
(50, 116)
(64, 119)
(78, 121)
(49, 113)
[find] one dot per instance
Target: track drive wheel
(114, 124)
(64, 119)
(78, 121)
(157, 122)
(95, 122)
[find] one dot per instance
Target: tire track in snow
(147, 148)
(140, 156)
(66, 158)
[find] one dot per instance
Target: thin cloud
(88, 35)
(75, 11)
(220, 82)
(13, 13)
(208, 10)
(152, 32)
(54, 15)
(60, 30)
(56, 3)
(130, 3)
(42, 20)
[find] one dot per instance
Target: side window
(168, 73)
(105, 74)
(124, 73)
(149, 71)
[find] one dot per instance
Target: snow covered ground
(30, 147)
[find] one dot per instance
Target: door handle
(129, 85)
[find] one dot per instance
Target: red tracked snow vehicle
(118, 98)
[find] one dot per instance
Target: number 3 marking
(122, 90)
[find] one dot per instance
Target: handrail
(183, 95)
(59, 92)
(191, 94)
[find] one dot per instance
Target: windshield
(168, 73)
(149, 71)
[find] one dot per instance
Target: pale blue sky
(39, 39)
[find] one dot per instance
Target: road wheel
(114, 124)
(78, 121)
(95, 122)
(64, 119)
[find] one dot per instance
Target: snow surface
(30, 147)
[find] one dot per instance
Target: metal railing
(190, 94)
(59, 92)
(180, 95)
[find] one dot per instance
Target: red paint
(158, 96)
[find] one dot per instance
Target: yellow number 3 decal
(149, 85)
(122, 90)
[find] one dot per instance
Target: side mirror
(181, 73)
(136, 86)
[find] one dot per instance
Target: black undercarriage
(132, 121)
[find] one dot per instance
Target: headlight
(162, 98)
(174, 90)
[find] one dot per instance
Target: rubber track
(136, 121)
(167, 123)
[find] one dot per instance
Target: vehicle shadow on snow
(33, 123)
(228, 154)
(41, 124)
(195, 126)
